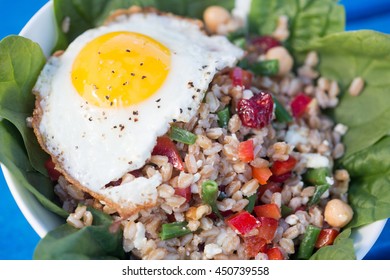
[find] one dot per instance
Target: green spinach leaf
(308, 19)
(342, 249)
(369, 192)
(21, 61)
(86, 14)
(97, 241)
(13, 156)
(345, 56)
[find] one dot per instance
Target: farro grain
(261, 257)
(311, 59)
(338, 151)
(234, 123)
(308, 191)
(214, 133)
(250, 187)
(203, 141)
(232, 188)
(226, 204)
(295, 202)
(276, 198)
(259, 162)
(210, 250)
(291, 233)
(356, 86)
(73, 221)
(165, 191)
(157, 254)
(185, 180)
(240, 205)
(237, 195)
(292, 219)
(287, 245)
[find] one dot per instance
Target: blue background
(18, 239)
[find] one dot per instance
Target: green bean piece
(223, 117)
(210, 195)
(320, 190)
(317, 176)
(173, 230)
(252, 201)
(265, 67)
(307, 244)
(281, 114)
(181, 135)
(286, 210)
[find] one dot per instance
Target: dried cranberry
(264, 43)
(281, 178)
(256, 112)
(240, 77)
(299, 104)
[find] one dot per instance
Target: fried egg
(102, 104)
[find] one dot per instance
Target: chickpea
(282, 55)
(214, 17)
(338, 213)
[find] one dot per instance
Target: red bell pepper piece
(282, 167)
(326, 237)
(253, 245)
(184, 192)
(245, 151)
(165, 147)
(274, 253)
(53, 173)
(299, 104)
(270, 210)
(241, 78)
(267, 228)
(242, 222)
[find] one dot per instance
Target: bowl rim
(36, 214)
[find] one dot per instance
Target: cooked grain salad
(251, 175)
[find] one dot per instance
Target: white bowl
(41, 29)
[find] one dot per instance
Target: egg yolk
(119, 69)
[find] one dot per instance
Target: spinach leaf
(87, 14)
(345, 56)
(191, 8)
(342, 249)
(92, 242)
(369, 192)
(308, 19)
(13, 156)
(21, 61)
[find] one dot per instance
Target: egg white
(94, 145)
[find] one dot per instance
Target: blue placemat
(18, 239)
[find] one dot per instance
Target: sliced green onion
(181, 135)
(281, 113)
(223, 117)
(240, 33)
(307, 244)
(317, 176)
(244, 64)
(173, 230)
(210, 195)
(286, 210)
(252, 202)
(320, 189)
(265, 67)
(240, 42)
